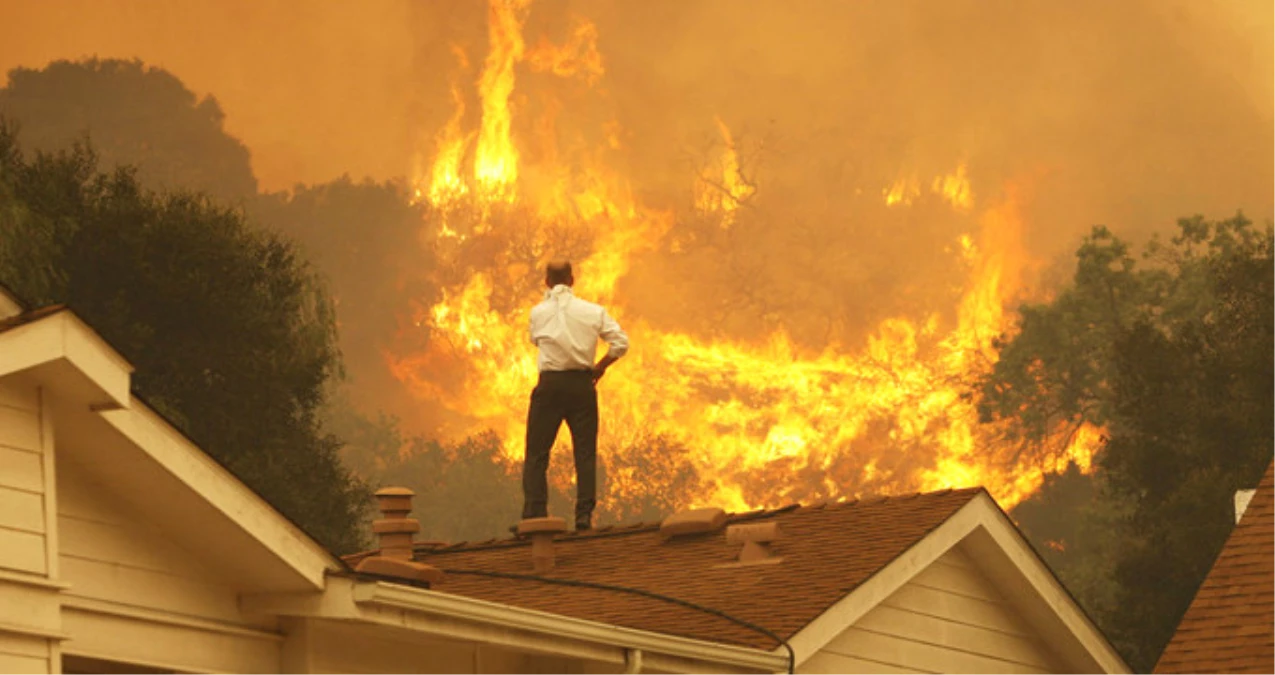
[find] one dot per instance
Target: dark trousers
(570, 396)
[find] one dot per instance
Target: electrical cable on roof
(792, 657)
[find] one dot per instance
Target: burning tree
(743, 417)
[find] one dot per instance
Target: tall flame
(496, 157)
(446, 185)
(755, 422)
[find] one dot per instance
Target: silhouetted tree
(366, 239)
(1175, 358)
(231, 333)
(134, 115)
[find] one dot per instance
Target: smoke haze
(1142, 110)
(1128, 114)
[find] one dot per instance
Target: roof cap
(693, 521)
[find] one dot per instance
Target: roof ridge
(640, 527)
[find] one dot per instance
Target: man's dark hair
(559, 272)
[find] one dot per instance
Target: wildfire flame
(724, 188)
(496, 156)
(902, 192)
(754, 422)
(446, 185)
(953, 188)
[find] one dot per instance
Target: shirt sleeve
(614, 336)
(531, 327)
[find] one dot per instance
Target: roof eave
(60, 352)
(463, 618)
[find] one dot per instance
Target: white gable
(948, 618)
(970, 597)
(128, 579)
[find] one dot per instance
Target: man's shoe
(583, 525)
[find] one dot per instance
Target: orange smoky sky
(315, 89)
(322, 88)
(1128, 114)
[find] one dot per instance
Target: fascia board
(192, 466)
(402, 597)
(88, 352)
(336, 602)
(30, 345)
(62, 336)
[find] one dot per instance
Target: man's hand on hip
(600, 368)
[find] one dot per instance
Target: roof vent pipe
(394, 532)
(394, 529)
(756, 538)
(695, 521)
(541, 531)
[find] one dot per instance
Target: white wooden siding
(22, 521)
(108, 553)
(352, 648)
(23, 654)
(30, 624)
(337, 647)
(948, 618)
(155, 642)
(136, 596)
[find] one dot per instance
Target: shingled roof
(1230, 626)
(825, 553)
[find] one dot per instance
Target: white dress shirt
(566, 329)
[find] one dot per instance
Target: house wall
(948, 618)
(321, 646)
(137, 597)
(29, 619)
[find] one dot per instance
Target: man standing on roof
(566, 330)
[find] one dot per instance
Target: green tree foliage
(1174, 357)
(1192, 423)
(231, 333)
(134, 116)
(1057, 369)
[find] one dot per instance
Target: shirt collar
(560, 289)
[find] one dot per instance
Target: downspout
(632, 660)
